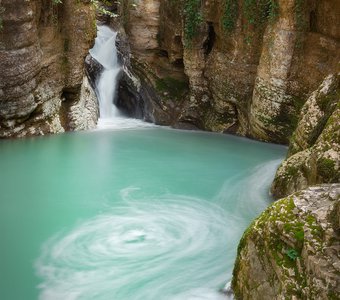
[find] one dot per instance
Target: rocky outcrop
(292, 250)
(42, 49)
(84, 113)
(297, 54)
(236, 66)
(314, 153)
(150, 80)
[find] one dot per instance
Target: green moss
(272, 247)
(240, 248)
(332, 295)
(173, 88)
(325, 101)
(292, 254)
(102, 10)
(326, 169)
(2, 10)
(315, 229)
(299, 9)
(292, 171)
(66, 45)
(192, 20)
(230, 14)
(257, 13)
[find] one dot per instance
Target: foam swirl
(142, 250)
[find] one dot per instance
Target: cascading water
(105, 52)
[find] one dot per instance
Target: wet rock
(93, 69)
(292, 249)
(314, 155)
(84, 113)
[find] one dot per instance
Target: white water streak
(141, 250)
(172, 247)
(105, 52)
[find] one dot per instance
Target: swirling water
(147, 213)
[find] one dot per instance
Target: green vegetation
(326, 168)
(101, 9)
(300, 21)
(173, 88)
(192, 20)
(292, 254)
(299, 14)
(96, 4)
(257, 14)
(276, 239)
(2, 10)
(230, 14)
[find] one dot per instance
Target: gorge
(132, 210)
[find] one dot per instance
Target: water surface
(147, 213)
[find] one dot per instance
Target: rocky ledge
(314, 151)
(292, 250)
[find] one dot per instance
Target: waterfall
(105, 52)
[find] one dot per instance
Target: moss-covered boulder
(314, 154)
(292, 250)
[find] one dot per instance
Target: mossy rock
(171, 87)
(285, 252)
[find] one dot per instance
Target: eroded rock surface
(240, 68)
(42, 49)
(314, 153)
(292, 250)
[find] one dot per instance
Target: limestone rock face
(242, 68)
(42, 49)
(150, 79)
(291, 251)
(84, 113)
(293, 62)
(314, 153)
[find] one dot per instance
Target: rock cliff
(314, 153)
(230, 66)
(42, 48)
(292, 250)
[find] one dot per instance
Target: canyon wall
(244, 67)
(264, 69)
(42, 49)
(231, 66)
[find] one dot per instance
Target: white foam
(122, 123)
(143, 249)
